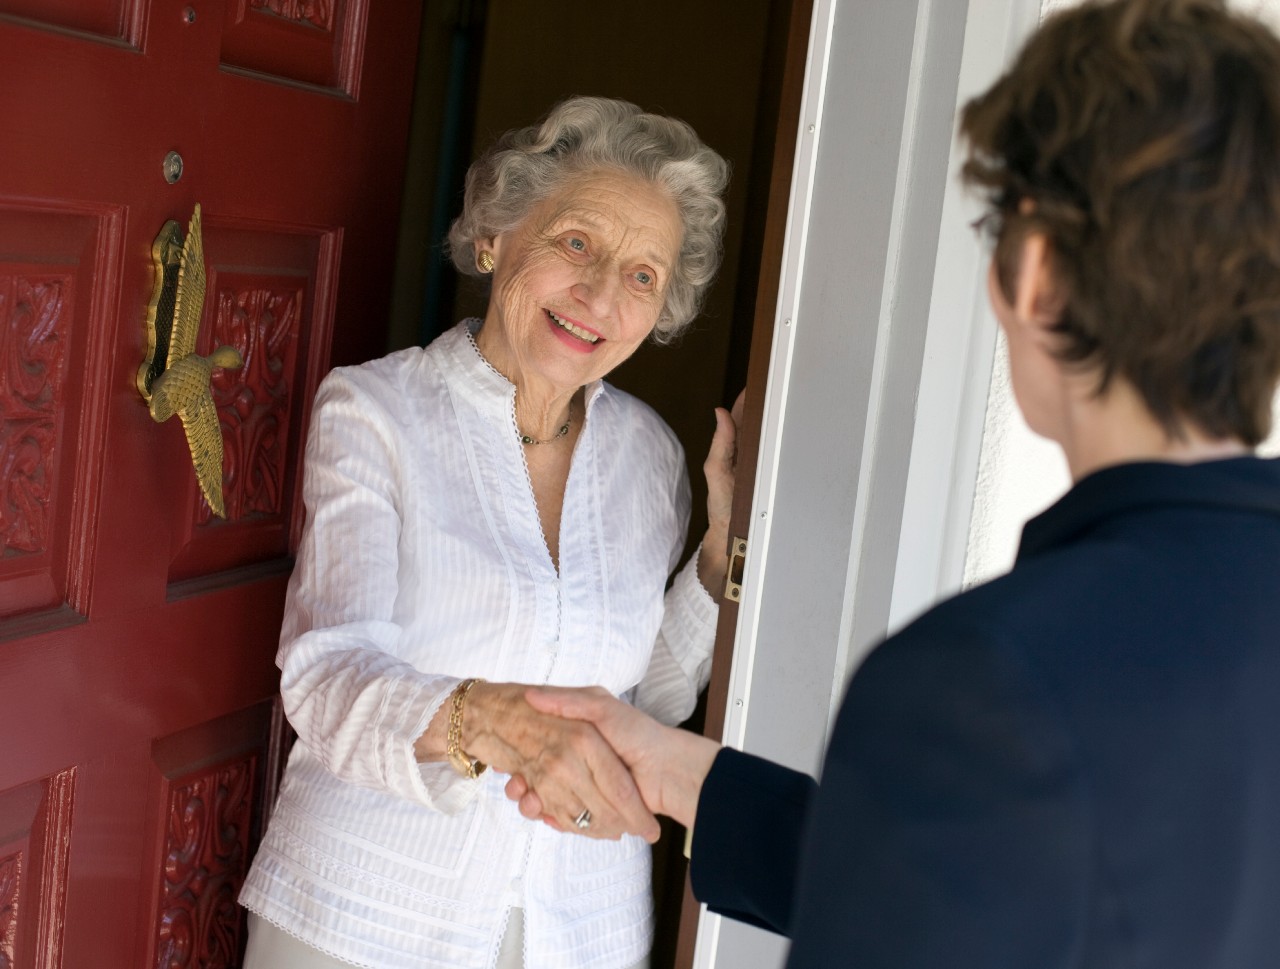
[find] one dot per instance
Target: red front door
(137, 633)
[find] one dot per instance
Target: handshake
(585, 762)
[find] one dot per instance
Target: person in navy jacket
(1077, 764)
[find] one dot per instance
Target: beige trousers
(273, 948)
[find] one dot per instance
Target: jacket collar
(1247, 484)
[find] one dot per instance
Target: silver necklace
(564, 429)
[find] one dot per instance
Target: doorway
(486, 67)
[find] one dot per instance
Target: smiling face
(580, 283)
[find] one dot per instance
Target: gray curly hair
(582, 134)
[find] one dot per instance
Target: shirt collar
(468, 371)
(1248, 484)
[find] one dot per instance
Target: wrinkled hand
(720, 469)
(667, 764)
(565, 760)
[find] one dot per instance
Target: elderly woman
(1074, 765)
(485, 513)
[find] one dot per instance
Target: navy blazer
(1074, 765)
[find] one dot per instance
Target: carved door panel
(138, 734)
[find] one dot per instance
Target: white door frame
(878, 378)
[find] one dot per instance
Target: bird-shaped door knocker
(174, 379)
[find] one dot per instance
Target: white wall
(1019, 475)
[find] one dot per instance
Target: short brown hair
(1146, 135)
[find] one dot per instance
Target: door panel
(108, 19)
(137, 631)
(205, 798)
(54, 283)
(311, 41)
(35, 837)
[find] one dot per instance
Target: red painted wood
(35, 838)
(48, 256)
(109, 19)
(137, 635)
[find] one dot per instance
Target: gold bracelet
(466, 765)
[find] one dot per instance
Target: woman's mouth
(580, 332)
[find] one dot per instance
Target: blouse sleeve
(680, 664)
(352, 699)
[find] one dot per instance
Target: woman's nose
(597, 289)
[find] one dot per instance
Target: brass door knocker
(174, 379)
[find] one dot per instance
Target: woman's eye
(576, 244)
(644, 278)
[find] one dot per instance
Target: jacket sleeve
(353, 701)
(747, 837)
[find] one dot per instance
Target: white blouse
(423, 562)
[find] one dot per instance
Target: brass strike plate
(733, 574)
